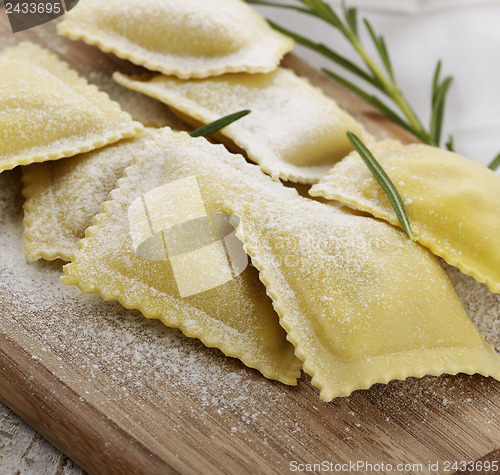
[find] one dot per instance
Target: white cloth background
(413, 6)
(466, 36)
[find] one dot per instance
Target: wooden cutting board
(121, 394)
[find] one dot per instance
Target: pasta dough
(452, 202)
(63, 196)
(361, 303)
(294, 131)
(188, 38)
(181, 180)
(48, 112)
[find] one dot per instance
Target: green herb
(378, 73)
(385, 182)
(495, 163)
(218, 124)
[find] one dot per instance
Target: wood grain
(120, 394)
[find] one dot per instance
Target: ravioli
(294, 132)
(452, 202)
(361, 303)
(48, 112)
(188, 39)
(175, 192)
(63, 196)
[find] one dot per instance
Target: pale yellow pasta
(361, 303)
(63, 196)
(452, 202)
(179, 180)
(188, 38)
(294, 132)
(48, 112)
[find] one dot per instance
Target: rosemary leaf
(218, 124)
(450, 145)
(438, 111)
(435, 80)
(384, 54)
(351, 15)
(379, 43)
(384, 181)
(495, 163)
(325, 12)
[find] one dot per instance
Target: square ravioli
(294, 131)
(48, 112)
(63, 196)
(163, 246)
(361, 303)
(188, 38)
(452, 202)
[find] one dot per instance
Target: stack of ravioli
(343, 295)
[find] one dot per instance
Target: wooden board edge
(43, 411)
(493, 456)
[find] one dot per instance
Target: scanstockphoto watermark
(359, 466)
(363, 466)
(28, 14)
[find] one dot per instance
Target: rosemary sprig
(219, 124)
(385, 182)
(378, 73)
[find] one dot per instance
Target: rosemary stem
(372, 72)
(390, 89)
